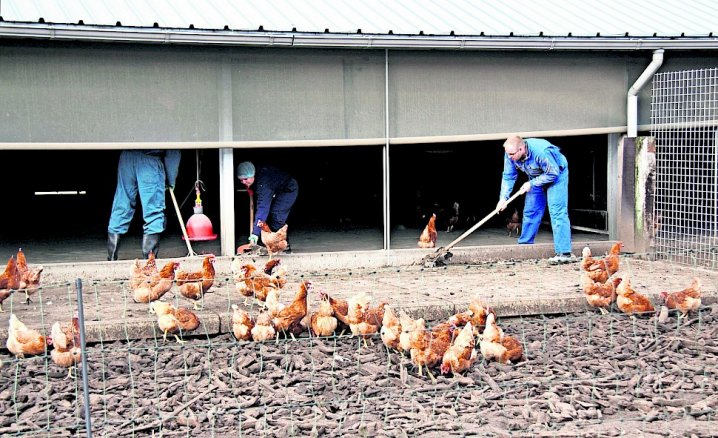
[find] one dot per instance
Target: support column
(226, 162)
(635, 193)
(645, 193)
(626, 193)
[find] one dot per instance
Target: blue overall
(547, 170)
(146, 172)
(276, 192)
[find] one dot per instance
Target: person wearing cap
(276, 192)
(547, 170)
(145, 173)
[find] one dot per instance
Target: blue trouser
(281, 205)
(140, 173)
(534, 207)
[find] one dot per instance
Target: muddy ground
(583, 374)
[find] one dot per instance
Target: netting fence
(684, 118)
(584, 373)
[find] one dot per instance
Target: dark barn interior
(340, 188)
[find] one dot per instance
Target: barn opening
(340, 203)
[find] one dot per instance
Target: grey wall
(475, 93)
(305, 94)
(137, 93)
(122, 93)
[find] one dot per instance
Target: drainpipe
(632, 105)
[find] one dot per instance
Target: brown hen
(427, 239)
(686, 300)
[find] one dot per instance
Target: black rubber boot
(150, 242)
(113, 246)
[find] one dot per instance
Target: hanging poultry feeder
(199, 227)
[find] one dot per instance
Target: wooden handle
(481, 222)
(181, 221)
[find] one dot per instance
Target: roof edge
(121, 34)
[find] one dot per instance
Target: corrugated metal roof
(407, 17)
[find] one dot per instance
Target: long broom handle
(181, 221)
(481, 222)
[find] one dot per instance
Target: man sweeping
(547, 170)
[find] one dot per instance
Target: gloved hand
(501, 206)
(169, 187)
(253, 238)
(526, 187)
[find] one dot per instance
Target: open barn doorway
(460, 183)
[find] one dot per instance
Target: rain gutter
(51, 31)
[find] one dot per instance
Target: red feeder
(199, 227)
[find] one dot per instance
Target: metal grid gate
(684, 113)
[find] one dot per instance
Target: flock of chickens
(603, 284)
(65, 339)
(450, 345)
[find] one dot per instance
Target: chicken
(174, 320)
(67, 351)
(630, 301)
(408, 325)
(275, 271)
(454, 218)
(686, 300)
(461, 354)
(595, 269)
(363, 321)
(496, 345)
(29, 278)
(390, 329)
(275, 242)
(242, 324)
(612, 259)
(339, 307)
(263, 329)
(140, 271)
(289, 319)
(272, 303)
(155, 286)
(428, 346)
(514, 223)
(194, 285)
(476, 315)
(251, 282)
(480, 312)
(427, 239)
(600, 295)
(9, 281)
(323, 322)
(23, 341)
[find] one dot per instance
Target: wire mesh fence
(583, 373)
(684, 117)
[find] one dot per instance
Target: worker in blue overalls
(147, 173)
(276, 192)
(547, 170)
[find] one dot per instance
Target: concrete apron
(327, 261)
(111, 314)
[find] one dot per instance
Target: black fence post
(83, 347)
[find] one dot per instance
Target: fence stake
(83, 348)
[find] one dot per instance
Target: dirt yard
(584, 374)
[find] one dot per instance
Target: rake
(442, 255)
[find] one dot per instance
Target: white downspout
(632, 105)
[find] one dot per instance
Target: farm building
(385, 113)
(382, 114)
